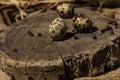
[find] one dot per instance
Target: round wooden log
(27, 51)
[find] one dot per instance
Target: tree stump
(28, 53)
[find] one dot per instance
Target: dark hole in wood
(13, 78)
(15, 50)
(73, 31)
(116, 27)
(94, 37)
(102, 31)
(39, 34)
(30, 78)
(30, 33)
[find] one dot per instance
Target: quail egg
(65, 10)
(57, 29)
(82, 23)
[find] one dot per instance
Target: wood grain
(30, 55)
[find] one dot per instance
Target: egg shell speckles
(81, 22)
(65, 10)
(57, 29)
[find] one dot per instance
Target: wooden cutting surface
(27, 50)
(29, 39)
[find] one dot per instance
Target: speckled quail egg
(65, 10)
(82, 23)
(57, 29)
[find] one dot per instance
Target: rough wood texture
(27, 50)
(112, 75)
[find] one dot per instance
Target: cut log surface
(28, 53)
